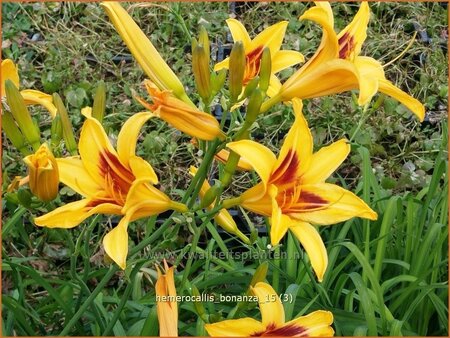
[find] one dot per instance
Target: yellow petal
(128, 135)
(143, 50)
(115, 242)
(260, 157)
(286, 58)
(370, 73)
(329, 47)
(279, 223)
(272, 311)
(411, 103)
(316, 324)
(36, 97)
(238, 32)
(271, 37)
(326, 7)
(313, 245)
(257, 199)
(274, 86)
(98, 155)
(142, 169)
(167, 310)
(357, 29)
(8, 72)
(342, 205)
(72, 214)
(243, 327)
(331, 77)
(325, 162)
(222, 64)
(296, 151)
(73, 174)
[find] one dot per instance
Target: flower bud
(265, 70)
(204, 41)
(98, 108)
(13, 133)
(254, 106)
(200, 67)
(237, 70)
(217, 80)
(21, 114)
(69, 138)
(260, 273)
(43, 173)
(56, 130)
(251, 86)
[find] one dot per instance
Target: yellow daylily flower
(273, 322)
(223, 217)
(272, 37)
(293, 191)
(166, 305)
(181, 115)
(337, 66)
(43, 177)
(112, 182)
(143, 50)
(31, 96)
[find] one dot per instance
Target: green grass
(387, 277)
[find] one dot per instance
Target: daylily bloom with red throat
(31, 96)
(181, 115)
(271, 37)
(273, 322)
(166, 304)
(112, 182)
(337, 66)
(293, 191)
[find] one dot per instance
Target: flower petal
(325, 162)
(296, 151)
(271, 37)
(115, 242)
(316, 324)
(274, 86)
(279, 223)
(357, 29)
(272, 311)
(313, 245)
(72, 214)
(73, 174)
(341, 205)
(167, 310)
(8, 72)
(128, 135)
(142, 169)
(257, 199)
(243, 327)
(286, 58)
(260, 157)
(331, 77)
(411, 103)
(98, 155)
(238, 32)
(32, 96)
(370, 73)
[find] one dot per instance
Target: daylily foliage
(292, 189)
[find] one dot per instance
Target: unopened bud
(198, 305)
(56, 130)
(99, 105)
(43, 173)
(22, 115)
(13, 133)
(251, 86)
(204, 41)
(217, 80)
(237, 70)
(69, 137)
(210, 196)
(265, 70)
(254, 106)
(200, 67)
